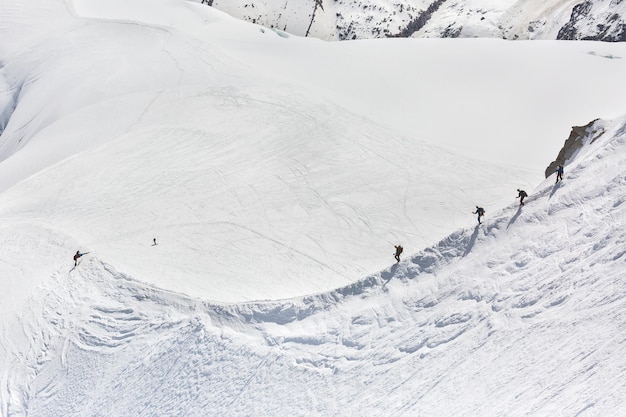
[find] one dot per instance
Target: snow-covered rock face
(364, 19)
(599, 20)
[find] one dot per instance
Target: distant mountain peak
(600, 20)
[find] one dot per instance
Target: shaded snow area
(236, 189)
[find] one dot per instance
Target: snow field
(266, 174)
(463, 326)
(321, 193)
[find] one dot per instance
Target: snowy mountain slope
(167, 137)
(602, 20)
(522, 315)
(264, 176)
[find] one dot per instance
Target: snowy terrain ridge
(523, 315)
(603, 20)
(237, 188)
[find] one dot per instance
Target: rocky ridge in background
(598, 20)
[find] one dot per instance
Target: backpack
(399, 249)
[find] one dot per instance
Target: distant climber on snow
(76, 256)
(399, 250)
(559, 173)
(521, 195)
(480, 211)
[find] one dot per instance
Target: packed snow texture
(276, 173)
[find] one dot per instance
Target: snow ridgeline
(534, 294)
(365, 19)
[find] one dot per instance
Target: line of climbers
(78, 253)
(521, 194)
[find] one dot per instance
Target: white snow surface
(276, 174)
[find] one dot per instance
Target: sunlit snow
(276, 174)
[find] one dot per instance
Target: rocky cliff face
(602, 20)
(577, 138)
(596, 20)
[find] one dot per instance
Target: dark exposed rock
(452, 32)
(584, 25)
(598, 20)
(419, 22)
(577, 138)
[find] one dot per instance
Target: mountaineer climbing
(76, 256)
(480, 211)
(521, 195)
(559, 173)
(399, 250)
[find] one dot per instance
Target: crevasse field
(276, 173)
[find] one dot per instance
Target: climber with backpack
(559, 173)
(76, 256)
(480, 211)
(521, 195)
(399, 250)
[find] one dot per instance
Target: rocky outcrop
(418, 22)
(600, 20)
(577, 138)
(590, 21)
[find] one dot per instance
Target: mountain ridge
(598, 20)
(455, 309)
(235, 192)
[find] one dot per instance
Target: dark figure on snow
(399, 250)
(522, 195)
(76, 256)
(480, 211)
(154, 240)
(559, 173)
